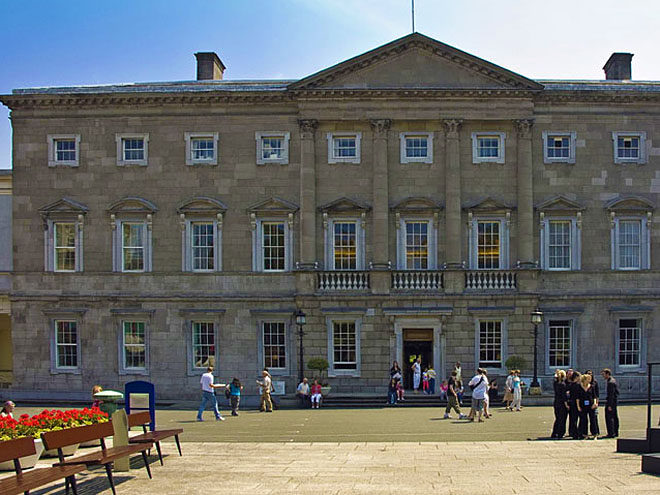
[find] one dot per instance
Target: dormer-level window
(488, 147)
(344, 147)
(629, 147)
(63, 149)
(132, 149)
(416, 147)
(559, 147)
(201, 148)
(272, 147)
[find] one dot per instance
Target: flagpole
(413, 16)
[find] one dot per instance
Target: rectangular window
(559, 245)
(345, 245)
(559, 344)
(417, 147)
(630, 342)
(202, 244)
(630, 244)
(65, 150)
(132, 149)
(417, 246)
(203, 344)
(344, 147)
(133, 247)
(558, 147)
(272, 147)
(628, 147)
(66, 344)
(65, 247)
(344, 343)
(274, 335)
(488, 147)
(488, 245)
(273, 246)
(134, 345)
(202, 148)
(490, 344)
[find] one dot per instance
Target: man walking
(208, 394)
(266, 386)
(479, 386)
(611, 414)
(452, 397)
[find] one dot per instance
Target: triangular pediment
(630, 203)
(201, 205)
(273, 205)
(416, 62)
(488, 204)
(559, 203)
(416, 204)
(344, 205)
(64, 206)
(133, 204)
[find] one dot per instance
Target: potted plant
(321, 365)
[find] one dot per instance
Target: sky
(82, 42)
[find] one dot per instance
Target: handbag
(472, 387)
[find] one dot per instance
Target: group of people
(483, 393)
(577, 398)
(423, 378)
(232, 392)
(309, 395)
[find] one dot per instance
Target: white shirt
(303, 388)
(417, 369)
(480, 391)
(206, 381)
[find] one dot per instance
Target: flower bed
(48, 420)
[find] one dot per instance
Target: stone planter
(325, 391)
(68, 450)
(28, 461)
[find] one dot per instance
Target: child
(95, 390)
(391, 392)
(399, 391)
(235, 388)
(316, 395)
(443, 390)
(425, 381)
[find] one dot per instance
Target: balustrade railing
(488, 279)
(343, 280)
(417, 280)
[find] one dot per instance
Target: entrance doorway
(416, 342)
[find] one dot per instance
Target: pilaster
(381, 259)
(525, 190)
(453, 193)
(307, 194)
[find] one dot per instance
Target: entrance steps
(373, 401)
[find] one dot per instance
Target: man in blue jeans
(208, 394)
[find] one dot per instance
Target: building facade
(5, 279)
(413, 200)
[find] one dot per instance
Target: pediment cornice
(273, 205)
(488, 204)
(344, 205)
(416, 204)
(64, 206)
(133, 204)
(559, 203)
(631, 203)
(200, 205)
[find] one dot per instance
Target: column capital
(381, 126)
(452, 126)
(308, 127)
(524, 127)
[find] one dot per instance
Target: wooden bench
(143, 419)
(13, 450)
(104, 457)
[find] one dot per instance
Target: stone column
(453, 239)
(525, 194)
(307, 194)
(381, 259)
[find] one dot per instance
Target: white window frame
(119, 139)
(257, 244)
(571, 135)
(330, 321)
(642, 146)
(259, 137)
(622, 368)
(645, 242)
(503, 344)
(55, 367)
(118, 244)
(188, 264)
(572, 338)
(501, 136)
(473, 242)
(403, 136)
(344, 159)
(575, 240)
(191, 337)
(432, 233)
(279, 369)
(123, 369)
(52, 150)
(189, 137)
(49, 243)
(329, 241)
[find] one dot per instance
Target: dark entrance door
(416, 342)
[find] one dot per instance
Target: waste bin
(109, 400)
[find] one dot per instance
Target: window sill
(202, 164)
(62, 164)
(134, 372)
(139, 163)
(64, 371)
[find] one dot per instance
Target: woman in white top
(417, 373)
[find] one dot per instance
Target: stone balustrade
(343, 280)
(417, 280)
(490, 280)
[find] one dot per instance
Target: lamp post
(301, 319)
(537, 318)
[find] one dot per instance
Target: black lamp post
(301, 319)
(537, 318)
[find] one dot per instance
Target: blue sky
(57, 43)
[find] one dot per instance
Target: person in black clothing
(586, 405)
(611, 414)
(593, 425)
(572, 393)
(560, 405)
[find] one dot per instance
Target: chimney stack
(618, 66)
(209, 66)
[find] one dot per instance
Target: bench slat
(154, 436)
(36, 478)
(106, 456)
(63, 438)
(16, 448)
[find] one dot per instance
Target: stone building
(5, 282)
(413, 200)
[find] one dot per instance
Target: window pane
(417, 249)
(202, 243)
(344, 345)
(559, 345)
(488, 245)
(488, 147)
(344, 147)
(274, 344)
(273, 243)
(133, 246)
(65, 150)
(66, 344)
(203, 335)
(272, 148)
(135, 346)
(133, 149)
(65, 247)
(416, 147)
(558, 147)
(345, 245)
(628, 147)
(490, 344)
(630, 244)
(559, 245)
(202, 148)
(629, 342)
